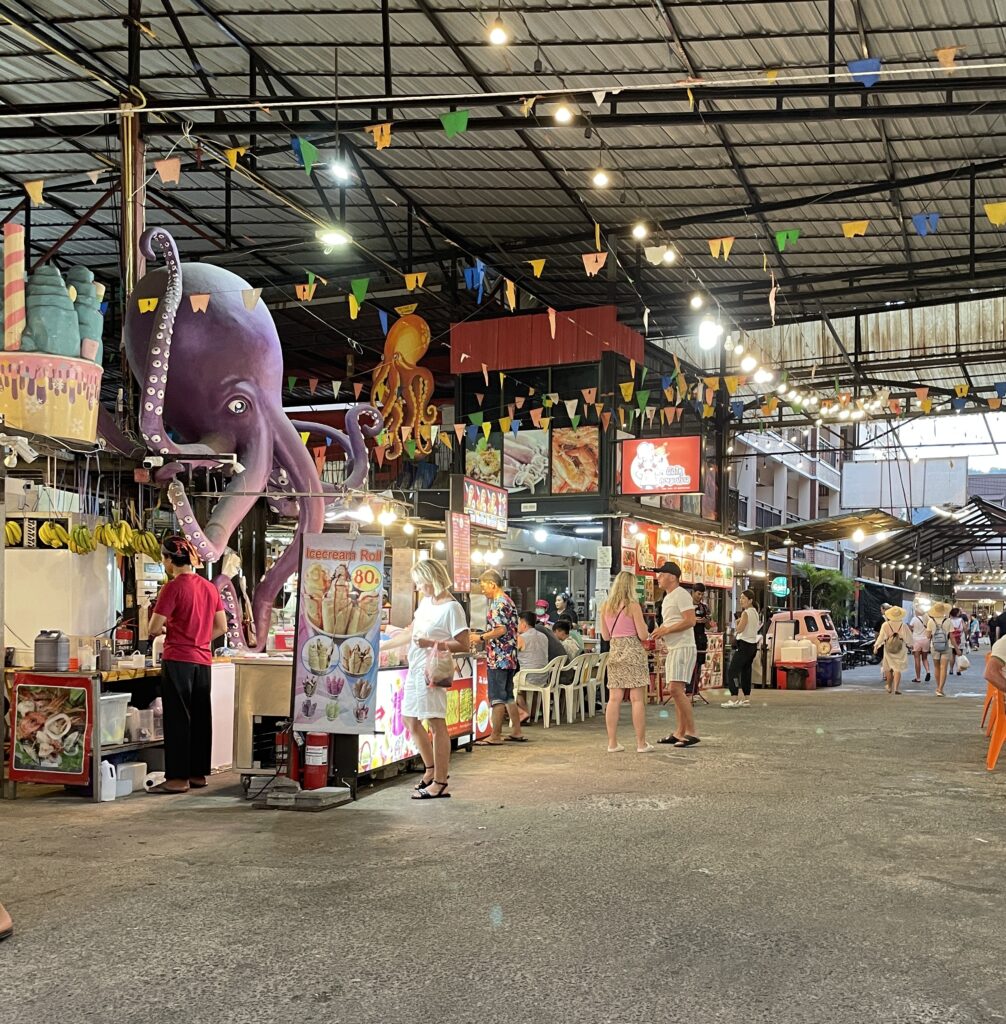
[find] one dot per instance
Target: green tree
(829, 589)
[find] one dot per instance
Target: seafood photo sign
(51, 739)
(338, 633)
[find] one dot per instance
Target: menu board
(459, 540)
(575, 460)
(51, 729)
(664, 465)
(644, 546)
(485, 505)
(338, 633)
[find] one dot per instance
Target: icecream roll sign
(663, 465)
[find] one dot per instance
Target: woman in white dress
(896, 639)
(438, 628)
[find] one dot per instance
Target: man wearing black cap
(678, 634)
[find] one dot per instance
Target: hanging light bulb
(10, 459)
(738, 555)
(693, 547)
(563, 113)
(749, 362)
(709, 333)
(498, 34)
(339, 169)
(387, 516)
(670, 255)
(333, 236)
(763, 376)
(541, 535)
(696, 301)
(639, 231)
(600, 178)
(477, 556)
(858, 536)
(438, 545)
(408, 529)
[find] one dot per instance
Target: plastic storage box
(113, 718)
(829, 670)
(796, 675)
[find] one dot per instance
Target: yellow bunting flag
(707, 411)
(597, 236)
(147, 305)
(537, 266)
(855, 228)
(994, 403)
(505, 422)
(593, 261)
(716, 245)
(354, 306)
(232, 155)
(621, 416)
(526, 106)
(598, 406)
(691, 100)
(947, 56)
(927, 405)
(711, 382)
(199, 302)
(414, 281)
(545, 422)
(448, 442)
(169, 169)
(732, 384)
(381, 134)
(996, 213)
(772, 74)
(305, 292)
(669, 394)
(250, 297)
(34, 190)
(304, 435)
(406, 310)
(511, 293)
(961, 390)
(502, 378)
(627, 388)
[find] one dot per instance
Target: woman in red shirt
(190, 612)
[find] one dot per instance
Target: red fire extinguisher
(316, 760)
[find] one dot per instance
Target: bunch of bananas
(118, 536)
(81, 542)
(146, 543)
(13, 533)
(53, 534)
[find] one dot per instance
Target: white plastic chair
(542, 681)
(580, 666)
(597, 678)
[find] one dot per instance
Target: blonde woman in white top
(896, 639)
(745, 649)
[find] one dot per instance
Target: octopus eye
(237, 406)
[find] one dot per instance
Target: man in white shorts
(677, 631)
(920, 645)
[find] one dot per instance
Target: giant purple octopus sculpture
(223, 394)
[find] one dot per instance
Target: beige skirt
(628, 666)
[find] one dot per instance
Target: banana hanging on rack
(13, 533)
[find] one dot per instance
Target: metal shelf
(121, 748)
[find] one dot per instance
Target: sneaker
(745, 703)
(731, 704)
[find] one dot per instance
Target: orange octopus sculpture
(404, 387)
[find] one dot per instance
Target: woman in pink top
(628, 671)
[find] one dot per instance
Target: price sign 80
(366, 578)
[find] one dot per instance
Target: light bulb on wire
(709, 333)
(748, 363)
(563, 113)
(601, 178)
(670, 255)
(408, 529)
(339, 170)
(639, 231)
(696, 301)
(498, 34)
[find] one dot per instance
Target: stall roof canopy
(842, 527)
(734, 131)
(942, 539)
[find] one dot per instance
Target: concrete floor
(831, 856)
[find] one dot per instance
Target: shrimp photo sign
(51, 721)
(338, 633)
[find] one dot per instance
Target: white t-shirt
(751, 625)
(675, 604)
(999, 650)
(433, 621)
(918, 625)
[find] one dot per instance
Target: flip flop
(197, 785)
(515, 739)
(486, 743)
(672, 739)
(688, 741)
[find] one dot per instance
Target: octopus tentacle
(353, 440)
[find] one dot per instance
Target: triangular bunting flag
(786, 237)
(737, 408)
(772, 74)
(519, 401)
(731, 384)
(487, 429)
(537, 266)
(527, 105)
(536, 417)
(485, 373)
(34, 190)
(476, 418)
(459, 429)
(304, 435)
(571, 404)
(511, 293)
(312, 384)
(927, 405)
(147, 305)
(651, 411)
(455, 122)
(414, 281)
(199, 302)
(593, 261)
(994, 403)
(410, 448)
(250, 297)
(447, 441)
(598, 406)
(606, 419)
(545, 422)
(479, 397)
(514, 427)
(642, 397)
(168, 170)
(382, 315)
(354, 306)
(336, 388)
(232, 154)
(406, 310)
(511, 407)
(381, 134)
(379, 455)
(1000, 387)
(291, 383)
(958, 404)
(925, 223)
(308, 155)
(855, 228)
(865, 71)
(589, 394)
(358, 286)
(597, 237)
(357, 389)
(575, 420)
(621, 415)
(551, 322)
(960, 390)
(716, 245)
(599, 95)
(921, 393)
(947, 56)
(632, 368)
(627, 388)
(305, 292)
(406, 433)
(95, 174)
(504, 424)
(996, 213)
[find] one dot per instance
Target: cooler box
(797, 652)
(796, 675)
(829, 670)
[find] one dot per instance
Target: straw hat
(939, 610)
(895, 614)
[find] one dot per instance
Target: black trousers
(740, 667)
(188, 719)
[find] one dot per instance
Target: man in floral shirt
(500, 639)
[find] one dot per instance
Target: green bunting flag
(358, 286)
(476, 418)
(642, 397)
(455, 122)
